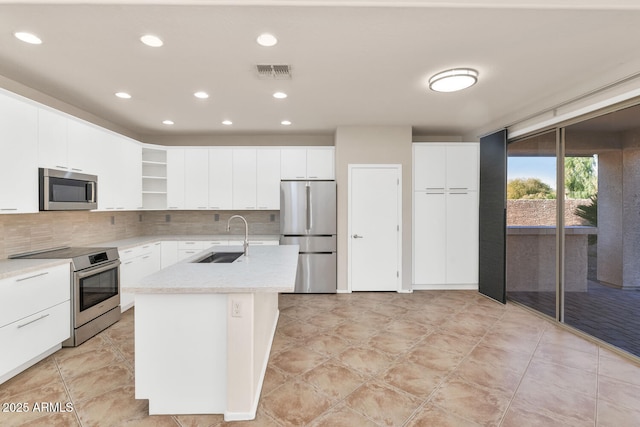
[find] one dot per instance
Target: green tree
(580, 179)
(529, 188)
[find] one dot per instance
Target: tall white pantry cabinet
(445, 215)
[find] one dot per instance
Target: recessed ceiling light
(123, 95)
(151, 40)
(227, 122)
(201, 95)
(453, 80)
(27, 37)
(285, 123)
(267, 40)
(167, 122)
(280, 95)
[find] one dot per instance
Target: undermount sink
(219, 257)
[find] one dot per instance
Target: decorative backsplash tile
(44, 230)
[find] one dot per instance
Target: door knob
(355, 236)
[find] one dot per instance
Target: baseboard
(448, 287)
(343, 291)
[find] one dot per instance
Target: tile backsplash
(44, 230)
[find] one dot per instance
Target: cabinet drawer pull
(33, 321)
(32, 277)
(434, 188)
(458, 188)
(145, 257)
(76, 169)
(62, 167)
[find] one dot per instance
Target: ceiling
(352, 63)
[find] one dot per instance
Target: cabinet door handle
(33, 321)
(356, 236)
(31, 277)
(9, 209)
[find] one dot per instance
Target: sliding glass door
(602, 230)
(531, 222)
(573, 226)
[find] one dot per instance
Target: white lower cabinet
(137, 263)
(445, 243)
(430, 239)
(35, 317)
(169, 253)
(189, 248)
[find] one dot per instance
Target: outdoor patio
(606, 313)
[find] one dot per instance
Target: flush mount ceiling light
(167, 122)
(151, 40)
(280, 95)
(123, 95)
(267, 40)
(227, 122)
(453, 80)
(201, 95)
(27, 37)
(285, 123)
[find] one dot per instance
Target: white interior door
(374, 227)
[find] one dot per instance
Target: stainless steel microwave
(65, 191)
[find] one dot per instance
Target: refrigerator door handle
(309, 218)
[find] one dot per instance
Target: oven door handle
(92, 271)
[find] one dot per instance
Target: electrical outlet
(236, 309)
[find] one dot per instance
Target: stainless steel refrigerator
(308, 219)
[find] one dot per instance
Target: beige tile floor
(369, 359)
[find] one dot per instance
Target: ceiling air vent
(270, 71)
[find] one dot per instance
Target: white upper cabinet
(307, 163)
(268, 179)
(445, 167)
(19, 159)
(462, 167)
(175, 178)
(220, 178)
(130, 180)
(52, 140)
(196, 178)
(244, 178)
(293, 163)
(321, 163)
(84, 143)
(429, 172)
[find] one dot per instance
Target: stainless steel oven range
(95, 288)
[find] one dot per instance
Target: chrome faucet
(245, 244)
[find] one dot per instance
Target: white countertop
(16, 267)
(141, 240)
(266, 269)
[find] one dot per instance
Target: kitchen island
(203, 331)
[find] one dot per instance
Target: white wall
(373, 145)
